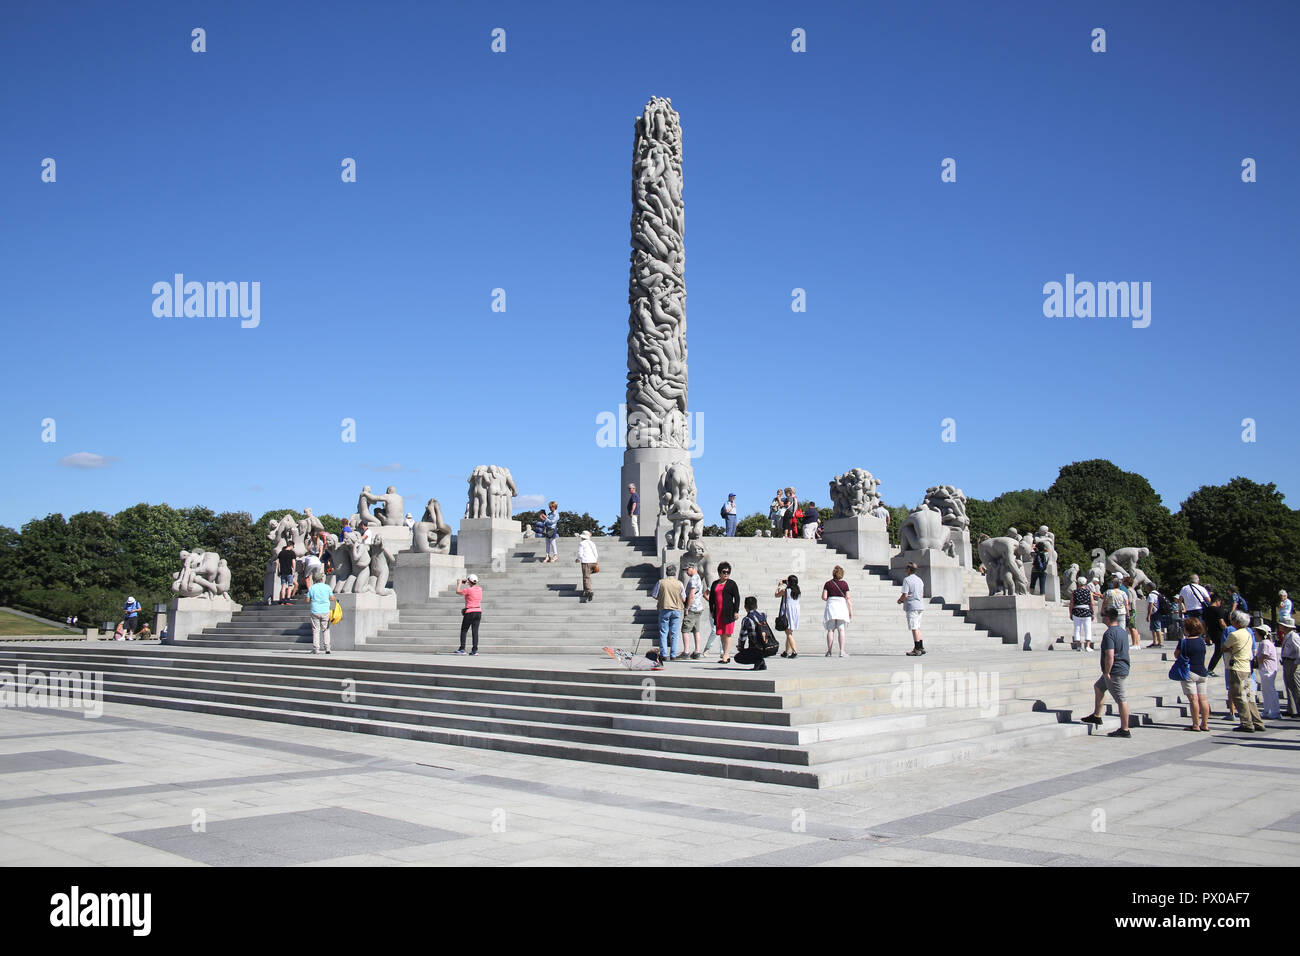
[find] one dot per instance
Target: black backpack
(723, 511)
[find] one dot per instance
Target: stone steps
(800, 729)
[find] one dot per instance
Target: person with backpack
(728, 515)
(1157, 617)
(1081, 612)
(1038, 572)
(787, 619)
(756, 637)
(1194, 598)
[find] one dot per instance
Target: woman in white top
(587, 557)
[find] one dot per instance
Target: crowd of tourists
(1205, 623)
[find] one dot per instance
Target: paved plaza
(142, 786)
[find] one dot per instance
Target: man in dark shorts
(286, 560)
(1114, 673)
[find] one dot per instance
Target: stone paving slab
(122, 791)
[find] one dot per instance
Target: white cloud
(529, 503)
(86, 459)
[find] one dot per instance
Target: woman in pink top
(473, 612)
(1266, 663)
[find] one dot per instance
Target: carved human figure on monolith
(431, 535)
(695, 554)
(202, 574)
(479, 504)
(389, 511)
(502, 491)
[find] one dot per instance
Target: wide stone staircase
(814, 723)
(261, 627)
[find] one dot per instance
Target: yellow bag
(336, 612)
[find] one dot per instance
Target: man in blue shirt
(320, 594)
(1114, 672)
(729, 512)
(132, 608)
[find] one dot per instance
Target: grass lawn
(11, 624)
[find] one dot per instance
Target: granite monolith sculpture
(854, 493)
(657, 432)
(432, 535)
(678, 505)
(1124, 561)
(1003, 570)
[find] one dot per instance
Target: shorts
(914, 620)
(1160, 622)
(1194, 686)
(691, 621)
(1115, 685)
(287, 580)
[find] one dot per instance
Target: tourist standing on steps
(1114, 672)
(321, 596)
(729, 515)
(839, 610)
(774, 511)
(788, 591)
(1283, 605)
(1216, 625)
(286, 559)
(634, 510)
(1081, 611)
(913, 601)
(1194, 598)
(694, 602)
(1237, 647)
(724, 607)
(1157, 617)
(1266, 666)
(810, 519)
(1290, 664)
(588, 558)
(1117, 601)
(132, 609)
(671, 594)
(472, 614)
(1196, 688)
(552, 532)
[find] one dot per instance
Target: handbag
(1182, 669)
(336, 612)
(595, 568)
(782, 622)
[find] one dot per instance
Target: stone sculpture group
(491, 491)
(431, 535)
(656, 341)
(360, 567)
(678, 504)
(854, 493)
(203, 574)
(389, 510)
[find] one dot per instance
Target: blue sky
(476, 171)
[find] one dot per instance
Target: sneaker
(473, 653)
(327, 650)
(695, 656)
(1119, 733)
(461, 651)
(315, 650)
(914, 653)
(1090, 719)
(1244, 730)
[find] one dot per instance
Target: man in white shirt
(1194, 598)
(913, 601)
(881, 511)
(694, 602)
(1290, 664)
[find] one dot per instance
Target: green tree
(1249, 527)
(750, 526)
(572, 523)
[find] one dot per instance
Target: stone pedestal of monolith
(364, 616)
(1016, 618)
(418, 577)
(942, 575)
(862, 537)
(188, 616)
(642, 467)
(482, 539)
